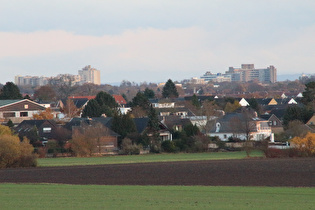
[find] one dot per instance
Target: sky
(154, 40)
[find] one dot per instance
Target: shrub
(169, 146)
(14, 153)
(305, 145)
(221, 144)
(234, 139)
(27, 156)
(281, 153)
(128, 148)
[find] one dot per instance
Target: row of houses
(173, 117)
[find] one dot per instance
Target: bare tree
(243, 125)
(89, 139)
(70, 109)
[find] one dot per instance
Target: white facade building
(90, 75)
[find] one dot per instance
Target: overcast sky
(154, 40)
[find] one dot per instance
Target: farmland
(54, 196)
(238, 183)
(123, 159)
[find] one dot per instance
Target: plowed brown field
(246, 172)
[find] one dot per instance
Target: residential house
(160, 104)
(286, 101)
(107, 142)
(81, 101)
(178, 111)
(18, 110)
(267, 101)
(47, 129)
(243, 102)
(141, 126)
(274, 122)
(242, 126)
(311, 122)
(79, 104)
(174, 122)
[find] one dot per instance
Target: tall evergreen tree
(10, 91)
(123, 124)
(140, 100)
(169, 90)
(309, 93)
(103, 103)
(153, 123)
(92, 109)
(149, 93)
(195, 101)
(254, 104)
(294, 112)
(105, 99)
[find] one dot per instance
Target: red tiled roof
(119, 99)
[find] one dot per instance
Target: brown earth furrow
(246, 172)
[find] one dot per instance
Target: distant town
(246, 73)
(76, 115)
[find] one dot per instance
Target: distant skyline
(154, 40)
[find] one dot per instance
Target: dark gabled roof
(263, 101)
(269, 117)
(107, 121)
(76, 122)
(37, 123)
(173, 120)
(78, 102)
(265, 116)
(278, 112)
(141, 123)
(226, 122)
(4, 103)
(8, 102)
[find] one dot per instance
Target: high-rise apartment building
(31, 80)
(90, 75)
(247, 72)
(86, 75)
(208, 76)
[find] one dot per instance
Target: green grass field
(53, 196)
(119, 159)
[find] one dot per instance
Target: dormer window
(47, 130)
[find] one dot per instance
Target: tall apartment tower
(90, 75)
(247, 72)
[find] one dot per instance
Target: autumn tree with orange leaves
(44, 115)
(305, 145)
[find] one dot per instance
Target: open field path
(245, 172)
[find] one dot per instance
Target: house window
(23, 114)
(47, 130)
(26, 106)
(274, 122)
(8, 114)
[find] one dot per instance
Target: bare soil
(246, 172)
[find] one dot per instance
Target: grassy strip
(119, 159)
(53, 196)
